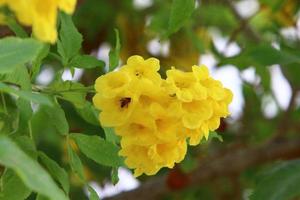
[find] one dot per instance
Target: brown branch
(226, 165)
(245, 26)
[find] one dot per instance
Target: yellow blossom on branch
(41, 15)
(156, 118)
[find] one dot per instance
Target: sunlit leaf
(282, 183)
(114, 53)
(181, 11)
(97, 149)
(56, 118)
(12, 54)
(31, 173)
(70, 91)
(27, 95)
(93, 194)
(75, 163)
(114, 175)
(12, 187)
(56, 171)
(86, 62)
(70, 39)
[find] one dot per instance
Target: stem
(30, 129)
(4, 103)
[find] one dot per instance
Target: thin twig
(212, 167)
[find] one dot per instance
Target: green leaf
(97, 149)
(12, 187)
(34, 97)
(70, 39)
(57, 172)
(32, 174)
(89, 113)
(25, 109)
(19, 76)
(27, 95)
(86, 62)
(224, 20)
(214, 134)
(189, 163)
(110, 135)
(16, 28)
(181, 11)
(114, 175)
(70, 91)
(75, 162)
(93, 194)
(211, 136)
(115, 53)
(41, 197)
(56, 117)
(27, 145)
(36, 64)
(12, 54)
(282, 183)
(261, 55)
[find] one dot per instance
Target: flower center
(124, 102)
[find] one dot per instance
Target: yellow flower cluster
(156, 117)
(40, 14)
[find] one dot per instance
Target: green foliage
(16, 28)
(56, 117)
(27, 95)
(12, 48)
(97, 149)
(110, 135)
(37, 116)
(261, 55)
(86, 62)
(70, 39)
(57, 172)
(12, 187)
(114, 53)
(31, 173)
(37, 62)
(93, 194)
(181, 11)
(281, 183)
(75, 163)
(89, 113)
(114, 175)
(70, 91)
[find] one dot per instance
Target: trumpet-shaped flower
(155, 117)
(185, 85)
(41, 15)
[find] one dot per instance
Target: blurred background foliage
(257, 157)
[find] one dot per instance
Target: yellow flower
(115, 111)
(111, 84)
(200, 72)
(143, 70)
(155, 117)
(139, 129)
(150, 159)
(67, 5)
(167, 121)
(195, 113)
(185, 85)
(41, 15)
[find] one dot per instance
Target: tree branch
(209, 168)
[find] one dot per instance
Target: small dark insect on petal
(125, 102)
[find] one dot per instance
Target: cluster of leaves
(51, 144)
(33, 116)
